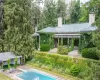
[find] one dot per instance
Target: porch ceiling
(67, 35)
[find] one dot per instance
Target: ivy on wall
(85, 41)
(47, 39)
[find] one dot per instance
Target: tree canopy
(17, 19)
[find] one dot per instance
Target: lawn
(3, 77)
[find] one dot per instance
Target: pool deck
(21, 69)
(13, 74)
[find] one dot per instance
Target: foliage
(15, 62)
(17, 19)
(94, 6)
(64, 64)
(50, 13)
(63, 50)
(61, 9)
(95, 71)
(2, 28)
(45, 47)
(86, 41)
(72, 44)
(8, 62)
(74, 11)
(90, 53)
(84, 13)
(75, 70)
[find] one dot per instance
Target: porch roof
(67, 35)
(7, 55)
(69, 28)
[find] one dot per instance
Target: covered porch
(66, 40)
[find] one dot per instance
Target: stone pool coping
(13, 74)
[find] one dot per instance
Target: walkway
(54, 50)
(74, 53)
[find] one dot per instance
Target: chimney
(91, 18)
(36, 29)
(60, 22)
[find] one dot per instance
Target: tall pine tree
(17, 18)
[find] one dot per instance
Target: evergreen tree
(2, 28)
(94, 6)
(62, 9)
(17, 18)
(84, 13)
(50, 12)
(74, 11)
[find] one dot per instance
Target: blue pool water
(30, 75)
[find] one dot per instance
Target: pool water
(31, 75)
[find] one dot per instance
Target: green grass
(3, 77)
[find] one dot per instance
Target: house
(65, 33)
(5, 56)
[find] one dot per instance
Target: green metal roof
(68, 28)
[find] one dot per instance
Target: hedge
(45, 47)
(79, 67)
(90, 53)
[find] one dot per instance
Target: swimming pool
(32, 75)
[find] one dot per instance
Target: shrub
(75, 70)
(45, 47)
(90, 53)
(65, 64)
(9, 63)
(62, 50)
(16, 62)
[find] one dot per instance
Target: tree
(61, 9)
(84, 13)
(50, 12)
(94, 6)
(2, 28)
(17, 18)
(74, 11)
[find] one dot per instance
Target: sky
(67, 1)
(83, 1)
